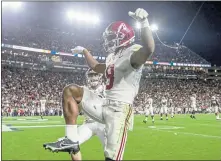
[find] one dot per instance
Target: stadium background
(37, 62)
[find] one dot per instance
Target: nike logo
(66, 144)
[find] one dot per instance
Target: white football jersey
(164, 102)
(122, 79)
(43, 102)
(192, 101)
(214, 103)
(100, 92)
(149, 103)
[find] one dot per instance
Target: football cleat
(145, 121)
(161, 118)
(63, 145)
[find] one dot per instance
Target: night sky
(173, 18)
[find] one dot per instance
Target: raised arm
(141, 54)
(92, 63)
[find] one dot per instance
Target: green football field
(180, 138)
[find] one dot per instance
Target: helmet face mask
(116, 35)
(93, 79)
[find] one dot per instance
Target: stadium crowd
(57, 40)
(179, 90)
(23, 89)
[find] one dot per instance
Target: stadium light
(85, 17)
(14, 5)
(96, 19)
(154, 27)
(70, 15)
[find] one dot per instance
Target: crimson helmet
(93, 79)
(116, 35)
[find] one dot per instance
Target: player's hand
(77, 50)
(140, 14)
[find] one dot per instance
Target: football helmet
(213, 97)
(117, 34)
(93, 79)
(194, 95)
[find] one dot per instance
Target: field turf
(180, 138)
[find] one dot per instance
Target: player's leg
(152, 114)
(165, 111)
(194, 112)
(72, 95)
(117, 119)
(146, 113)
(172, 112)
(100, 132)
(41, 114)
(217, 112)
(191, 112)
(161, 113)
(86, 131)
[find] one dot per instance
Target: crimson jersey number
(110, 77)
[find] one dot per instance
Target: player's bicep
(139, 56)
(100, 68)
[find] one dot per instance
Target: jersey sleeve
(129, 53)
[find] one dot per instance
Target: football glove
(140, 15)
(77, 50)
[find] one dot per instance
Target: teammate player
(42, 109)
(171, 107)
(123, 71)
(91, 127)
(163, 109)
(193, 108)
(215, 106)
(148, 109)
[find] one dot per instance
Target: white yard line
(30, 122)
(178, 132)
(21, 127)
(187, 133)
(197, 124)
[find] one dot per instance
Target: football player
(148, 109)
(42, 109)
(171, 107)
(123, 70)
(215, 106)
(193, 108)
(163, 109)
(91, 127)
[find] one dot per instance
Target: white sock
(71, 132)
